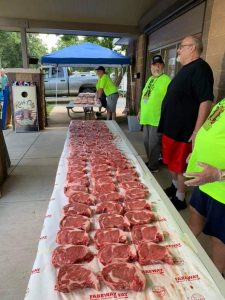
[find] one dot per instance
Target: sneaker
(154, 170)
(171, 191)
(179, 204)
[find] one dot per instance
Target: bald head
(190, 49)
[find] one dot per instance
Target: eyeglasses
(182, 46)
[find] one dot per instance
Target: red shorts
(175, 154)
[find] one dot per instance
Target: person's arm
(207, 175)
(203, 113)
(99, 93)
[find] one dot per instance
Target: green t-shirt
(151, 99)
(210, 149)
(107, 85)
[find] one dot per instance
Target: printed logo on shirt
(213, 117)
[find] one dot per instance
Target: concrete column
(24, 47)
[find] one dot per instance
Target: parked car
(68, 85)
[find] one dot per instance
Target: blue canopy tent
(86, 54)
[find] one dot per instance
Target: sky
(51, 39)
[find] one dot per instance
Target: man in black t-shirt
(184, 109)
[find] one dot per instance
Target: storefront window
(169, 55)
(170, 61)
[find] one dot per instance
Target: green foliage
(65, 41)
(36, 48)
(10, 48)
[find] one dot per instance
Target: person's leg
(196, 221)
(108, 114)
(113, 115)
(154, 147)
(218, 254)
(146, 139)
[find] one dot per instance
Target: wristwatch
(222, 175)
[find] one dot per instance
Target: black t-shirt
(191, 86)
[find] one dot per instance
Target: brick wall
(213, 38)
(137, 49)
(140, 67)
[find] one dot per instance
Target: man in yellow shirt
(106, 85)
(207, 169)
(150, 110)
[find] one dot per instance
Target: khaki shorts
(111, 102)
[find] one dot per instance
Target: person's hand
(207, 175)
(138, 116)
(188, 158)
(192, 139)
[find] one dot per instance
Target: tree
(35, 46)
(67, 40)
(10, 48)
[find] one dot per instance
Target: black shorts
(213, 211)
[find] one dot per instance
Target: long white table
(194, 277)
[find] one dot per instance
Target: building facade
(203, 18)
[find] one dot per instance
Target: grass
(49, 108)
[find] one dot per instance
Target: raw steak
(113, 252)
(82, 197)
(130, 172)
(109, 207)
(139, 217)
(147, 234)
(69, 191)
(74, 277)
(137, 205)
(114, 221)
(150, 253)
(100, 168)
(136, 193)
(77, 209)
(126, 177)
(114, 196)
(132, 184)
(75, 175)
(123, 276)
(105, 188)
(103, 179)
(77, 181)
(72, 236)
(80, 222)
(71, 254)
(103, 237)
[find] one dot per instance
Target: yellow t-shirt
(105, 83)
(151, 99)
(210, 149)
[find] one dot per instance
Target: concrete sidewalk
(26, 194)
